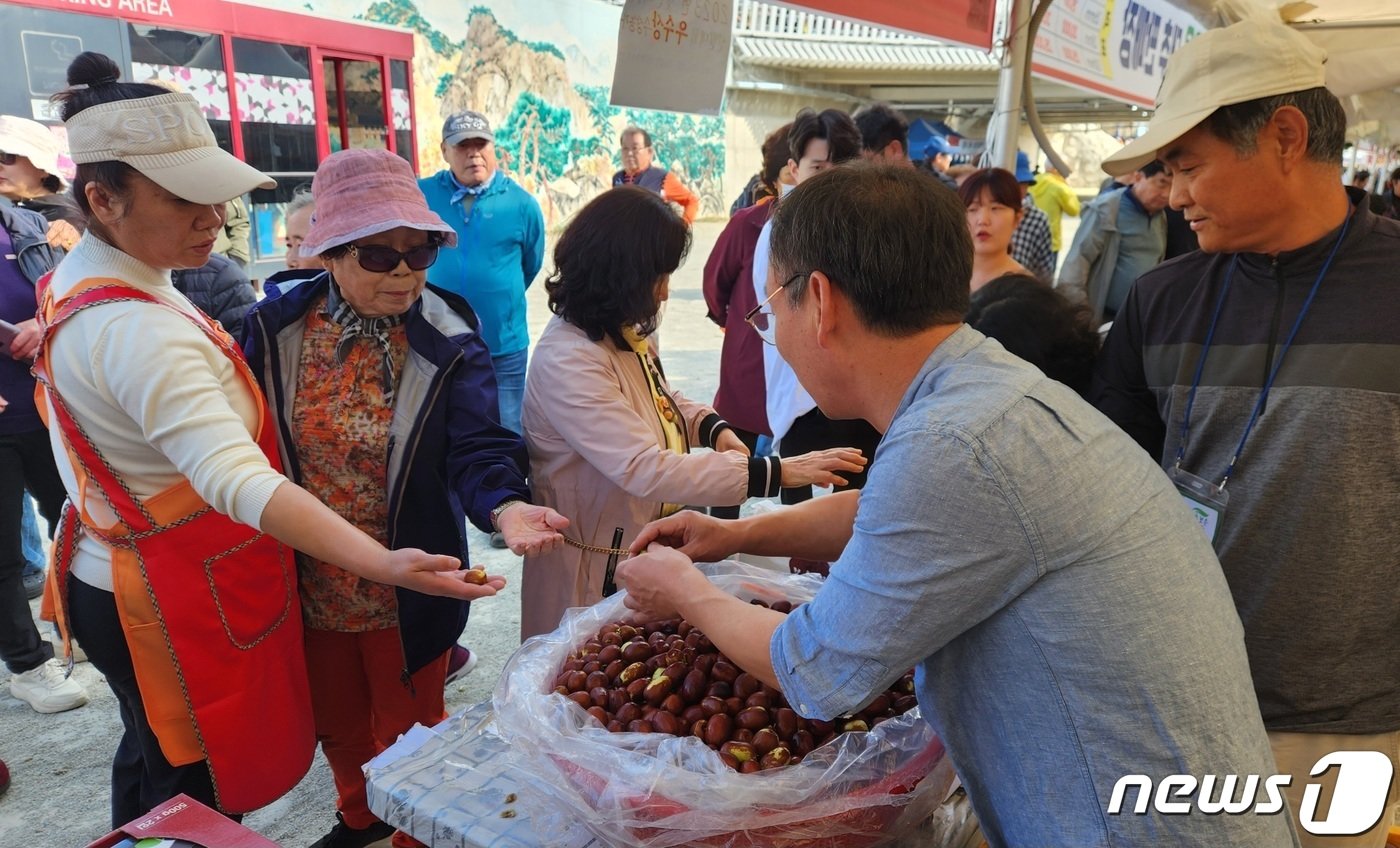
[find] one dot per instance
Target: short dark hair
(607, 262)
(880, 124)
(998, 182)
(891, 239)
(92, 80)
(1394, 175)
(635, 130)
(1239, 124)
(1152, 169)
(832, 126)
(1040, 325)
(1362, 175)
(775, 157)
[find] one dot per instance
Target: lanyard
(1278, 363)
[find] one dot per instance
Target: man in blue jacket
(500, 248)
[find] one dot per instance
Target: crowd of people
(1132, 519)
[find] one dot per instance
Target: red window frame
(318, 82)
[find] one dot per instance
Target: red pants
(361, 707)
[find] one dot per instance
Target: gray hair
(890, 239)
(301, 198)
(1239, 124)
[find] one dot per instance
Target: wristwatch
(500, 508)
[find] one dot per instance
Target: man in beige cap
(1264, 373)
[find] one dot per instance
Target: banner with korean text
(1117, 48)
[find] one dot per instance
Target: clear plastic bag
(652, 790)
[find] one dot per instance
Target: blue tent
(921, 132)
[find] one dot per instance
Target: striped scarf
(354, 326)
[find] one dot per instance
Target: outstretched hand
(437, 574)
(822, 468)
(530, 529)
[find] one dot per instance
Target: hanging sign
(1118, 48)
(673, 55)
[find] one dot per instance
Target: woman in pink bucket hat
(385, 403)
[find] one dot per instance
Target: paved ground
(60, 762)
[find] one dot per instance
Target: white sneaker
(47, 690)
(460, 664)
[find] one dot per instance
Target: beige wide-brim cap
(1254, 58)
(33, 141)
(168, 140)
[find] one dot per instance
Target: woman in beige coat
(609, 441)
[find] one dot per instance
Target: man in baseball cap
(501, 248)
(938, 155)
(464, 125)
(1263, 372)
(1032, 242)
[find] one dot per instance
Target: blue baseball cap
(936, 145)
(1023, 168)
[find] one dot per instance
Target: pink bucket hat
(362, 192)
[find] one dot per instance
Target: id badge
(1206, 500)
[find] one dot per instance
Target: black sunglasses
(380, 259)
(8, 158)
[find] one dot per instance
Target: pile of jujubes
(668, 677)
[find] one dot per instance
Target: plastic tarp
(655, 790)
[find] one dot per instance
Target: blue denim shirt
(1067, 617)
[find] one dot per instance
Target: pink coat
(598, 456)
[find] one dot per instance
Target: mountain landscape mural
(545, 90)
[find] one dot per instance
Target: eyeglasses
(8, 159)
(638, 149)
(763, 322)
(379, 259)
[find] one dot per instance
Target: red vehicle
(282, 90)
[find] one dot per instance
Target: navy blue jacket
(449, 457)
(220, 288)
